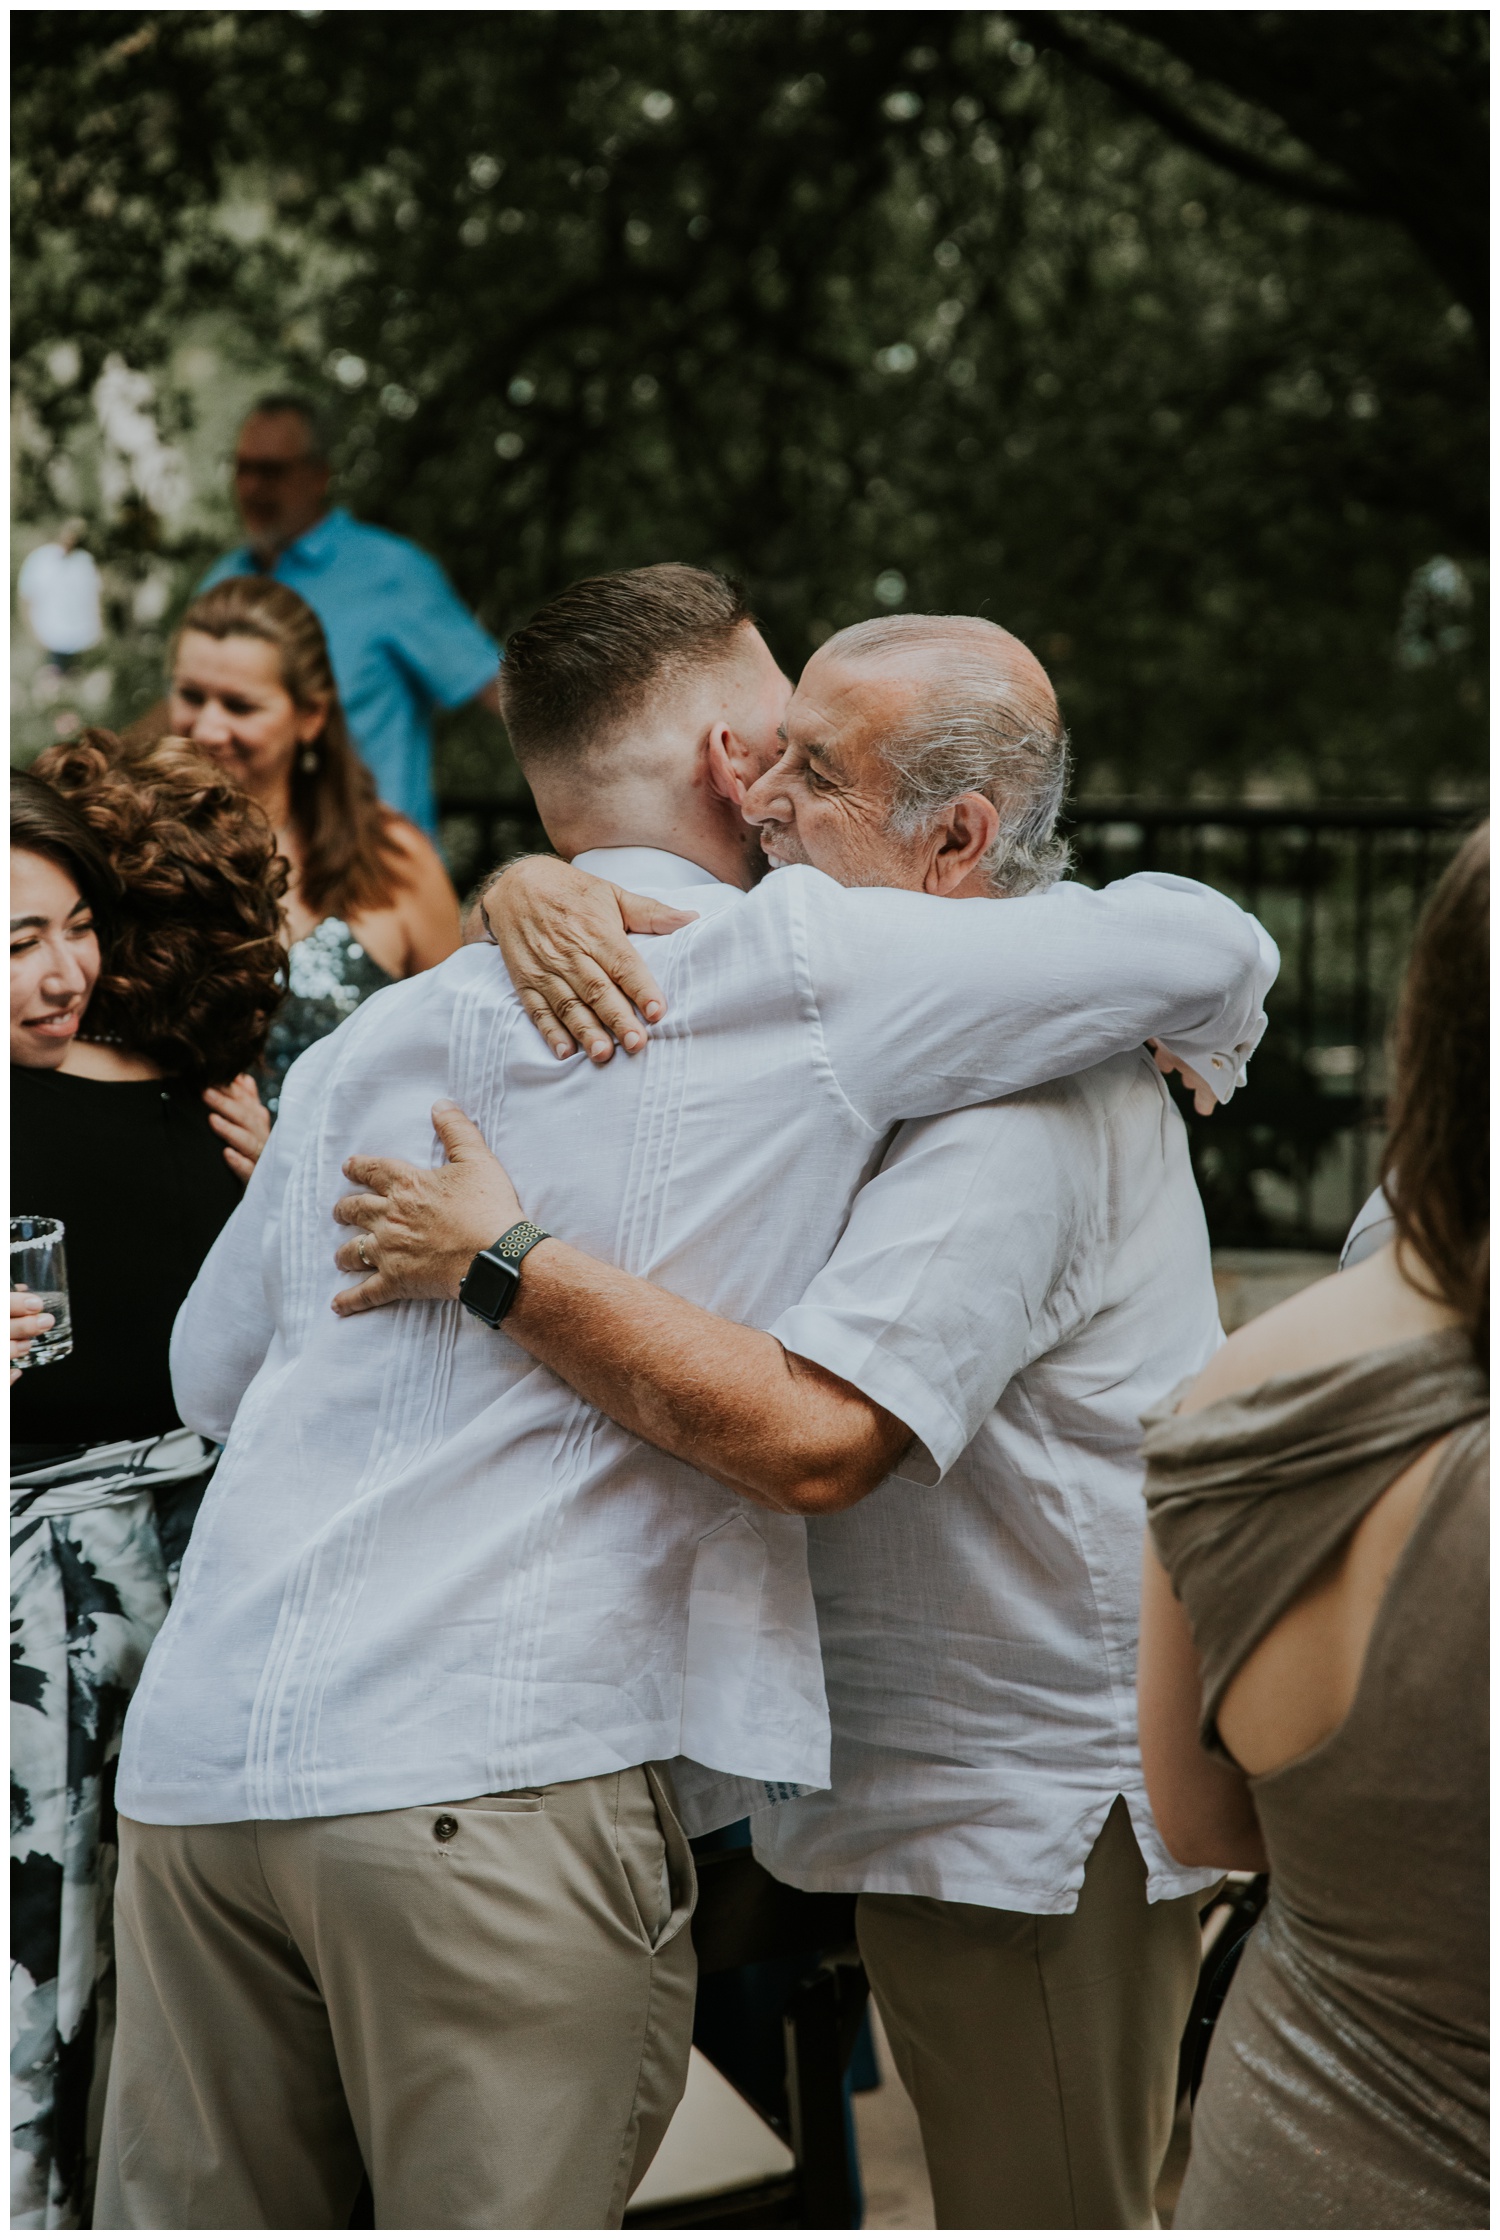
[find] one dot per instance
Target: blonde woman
(369, 901)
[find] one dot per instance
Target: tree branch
(1299, 186)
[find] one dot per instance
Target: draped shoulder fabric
(1248, 1497)
(1347, 2083)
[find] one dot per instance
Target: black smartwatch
(489, 1289)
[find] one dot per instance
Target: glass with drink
(38, 1264)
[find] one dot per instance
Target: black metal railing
(1339, 887)
(478, 836)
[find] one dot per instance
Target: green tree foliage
(1070, 321)
(1384, 115)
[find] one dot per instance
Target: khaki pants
(1040, 2050)
(488, 2005)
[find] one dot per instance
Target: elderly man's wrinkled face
(827, 802)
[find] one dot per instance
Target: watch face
(489, 1287)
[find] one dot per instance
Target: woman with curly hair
(368, 900)
(145, 961)
(1314, 1644)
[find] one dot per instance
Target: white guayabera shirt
(425, 1568)
(1019, 1284)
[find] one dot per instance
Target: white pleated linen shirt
(1019, 1283)
(425, 1568)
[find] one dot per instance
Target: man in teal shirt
(401, 640)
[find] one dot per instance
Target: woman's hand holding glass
(41, 1313)
(29, 1319)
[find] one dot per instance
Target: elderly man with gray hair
(963, 716)
(402, 1879)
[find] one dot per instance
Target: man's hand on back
(729, 1400)
(1204, 1099)
(421, 1226)
(562, 933)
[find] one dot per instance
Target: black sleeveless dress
(140, 1180)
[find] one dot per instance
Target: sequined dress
(329, 974)
(1347, 2082)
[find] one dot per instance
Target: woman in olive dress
(145, 964)
(1313, 1671)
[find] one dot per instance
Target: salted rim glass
(38, 1264)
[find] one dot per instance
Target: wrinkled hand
(28, 1320)
(237, 1114)
(1204, 1100)
(421, 1226)
(562, 935)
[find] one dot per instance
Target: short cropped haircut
(303, 408)
(972, 731)
(590, 659)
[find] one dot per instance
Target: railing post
(1364, 885)
(1306, 994)
(1424, 875)
(1253, 871)
(815, 2092)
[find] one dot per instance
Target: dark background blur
(1157, 337)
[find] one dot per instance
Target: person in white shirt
(58, 588)
(401, 1878)
(1014, 1288)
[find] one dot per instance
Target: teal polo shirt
(401, 641)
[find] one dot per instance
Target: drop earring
(307, 761)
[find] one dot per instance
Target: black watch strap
(494, 1276)
(518, 1241)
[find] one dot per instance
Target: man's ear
(723, 775)
(960, 840)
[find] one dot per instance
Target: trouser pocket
(504, 1800)
(653, 1854)
(682, 1875)
(447, 1820)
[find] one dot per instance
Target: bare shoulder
(424, 907)
(1367, 1307)
(418, 863)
